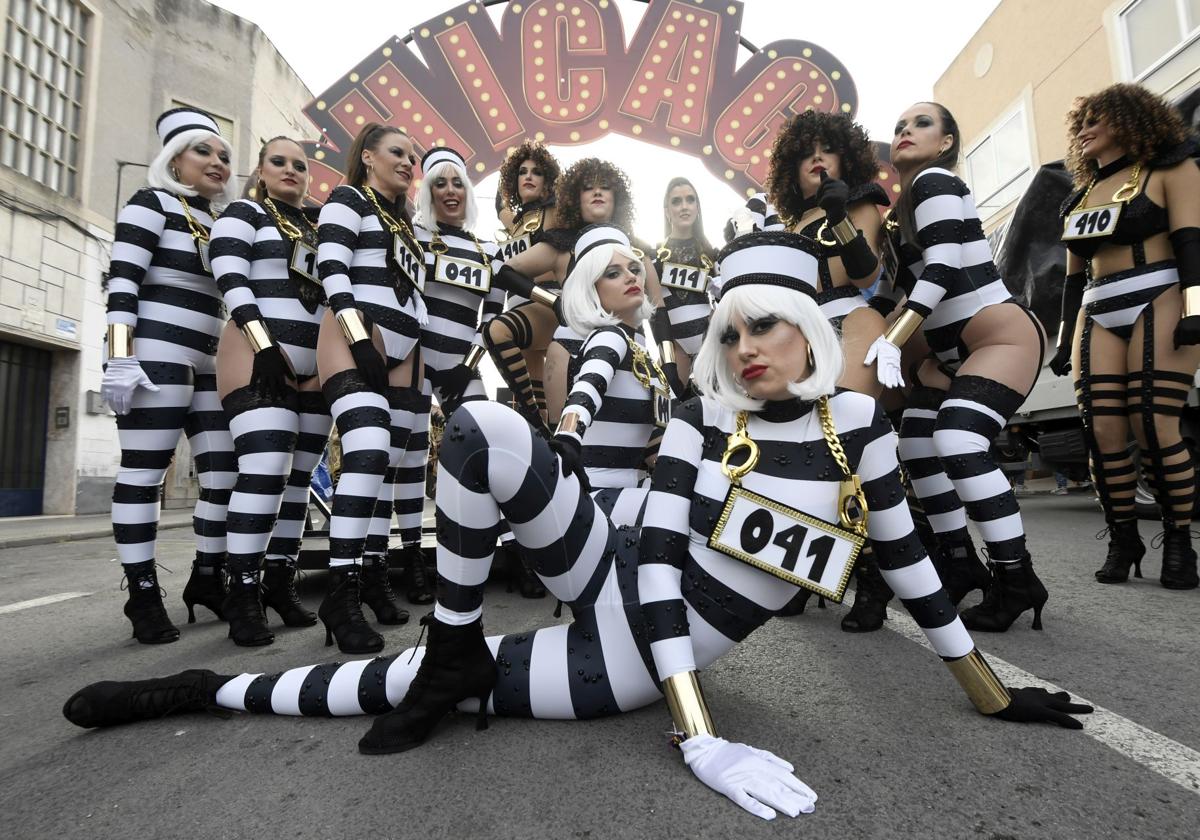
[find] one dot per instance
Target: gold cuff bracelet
(844, 231)
(666, 352)
(352, 326)
(543, 296)
(568, 423)
(903, 328)
(256, 333)
(474, 355)
(120, 341)
(1191, 301)
(980, 683)
(686, 702)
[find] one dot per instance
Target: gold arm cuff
(569, 423)
(1191, 301)
(352, 326)
(980, 683)
(666, 352)
(543, 296)
(686, 702)
(1062, 333)
(120, 341)
(844, 231)
(256, 333)
(474, 355)
(903, 328)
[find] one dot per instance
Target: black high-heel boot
(519, 573)
(457, 666)
(243, 609)
(113, 703)
(1125, 549)
(1015, 588)
(144, 609)
(279, 593)
(871, 596)
(376, 591)
(341, 613)
(959, 568)
(1178, 559)
(206, 588)
(418, 586)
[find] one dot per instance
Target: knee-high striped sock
(973, 413)
(363, 424)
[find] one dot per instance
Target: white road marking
(1170, 759)
(41, 602)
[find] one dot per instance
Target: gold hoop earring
(812, 362)
(174, 173)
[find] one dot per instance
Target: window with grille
(999, 167)
(41, 91)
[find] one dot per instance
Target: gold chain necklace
(1124, 192)
(663, 253)
(396, 226)
(437, 246)
(286, 227)
(198, 232)
(643, 366)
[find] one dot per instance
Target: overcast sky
(894, 51)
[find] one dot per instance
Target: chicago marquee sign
(558, 71)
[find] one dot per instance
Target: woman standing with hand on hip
(164, 317)
(987, 350)
(1131, 313)
(264, 257)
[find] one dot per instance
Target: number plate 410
(786, 543)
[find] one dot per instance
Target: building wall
(143, 55)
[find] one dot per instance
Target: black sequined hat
(771, 258)
(179, 120)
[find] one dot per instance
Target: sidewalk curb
(95, 533)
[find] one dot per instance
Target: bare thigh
(557, 362)
(1005, 345)
(859, 330)
(333, 353)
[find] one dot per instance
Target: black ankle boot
(243, 609)
(1015, 588)
(799, 602)
(113, 703)
(457, 666)
(519, 573)
(206, 588)
(144, 609)
(1125, 549)
(1178, 559)
(871, 596)
(418, 586)
(279, 593)
(959, 568)
(377, 593)
(341, 613)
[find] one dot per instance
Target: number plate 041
(786, 543)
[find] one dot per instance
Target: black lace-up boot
(1125, 549)
(279, 593)
(144, 609)
(113, 703)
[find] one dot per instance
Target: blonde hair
(159, 173)
(580, 300)
(711, 370)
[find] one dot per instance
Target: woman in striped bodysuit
(264, 257)
(986, 348)
(164, 317)
(643, 625)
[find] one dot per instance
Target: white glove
(888, 367)
(755, 779)
(121, 378)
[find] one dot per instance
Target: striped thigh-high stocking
(403, 407)
(216, 468)
(942, 507)
(506, 336)
(364, 425)
(264, 438)
(315, 423)
(148, 435)
(410, 472)
(969, 419)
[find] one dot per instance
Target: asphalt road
(875, 724)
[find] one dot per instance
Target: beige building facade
(81, 85)
(1012, 84)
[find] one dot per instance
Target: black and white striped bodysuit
(158, 285)
(636, 620)
(278, 444)
(687, 310)
(357, 266)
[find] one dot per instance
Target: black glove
(451, 384)
(1187, 331)
(271, 373)
(1032, 705)
(558, 311)
(1061, 363)
(832, 195)
(370, 364)
(568, 450)
(660, 326)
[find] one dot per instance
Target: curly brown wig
(796, 141)
(529, 150)
(588, 173)
(1141, 123)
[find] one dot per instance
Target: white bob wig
(159, 174)
(751, 302)
(425, 214)
(580, 300)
